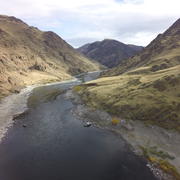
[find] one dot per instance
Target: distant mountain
(28, 56)
(109, 52)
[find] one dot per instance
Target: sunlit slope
(28, 56)
(163, 52)
(146, 87)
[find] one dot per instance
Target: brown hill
(163, 52)
(143, 92)
(28, 56)
(109, 52)
(145, 87)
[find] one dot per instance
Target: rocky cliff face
(109, 52)
(28, 56)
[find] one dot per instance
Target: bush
(115, 121)
(77, 88)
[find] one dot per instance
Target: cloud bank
(82, 21)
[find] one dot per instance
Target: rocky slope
(29, 56)
(109, 52)
(145, 87)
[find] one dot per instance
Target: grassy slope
(28, 56)
(153, 98)
(146, 87)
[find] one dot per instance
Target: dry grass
(158, 158)
(26, 51)
(165, 166)
(153, 98)
(77, 88)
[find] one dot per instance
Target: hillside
(29, 56)
(109, 52)
(163, 52)
(145, 87)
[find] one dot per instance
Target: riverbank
(11, 106)
(154, 143)
(33, 78)
(16, 104)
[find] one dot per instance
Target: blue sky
(83, 21)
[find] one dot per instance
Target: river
(56, 146)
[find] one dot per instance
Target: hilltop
(109, 52)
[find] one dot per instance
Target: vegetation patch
(42, 95)
(160, 85)
(91, 84)
(155, 68)
(151, 98)
(159, 159)
(153, 150)
(78, 88)
(115, 121)
(165, 166)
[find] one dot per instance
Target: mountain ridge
(109, 52)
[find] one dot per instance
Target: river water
(56, 146)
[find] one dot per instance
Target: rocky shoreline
(137, 134)
(12, 106)
(15, 105)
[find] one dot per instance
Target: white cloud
(130, 21)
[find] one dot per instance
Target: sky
(84, 21)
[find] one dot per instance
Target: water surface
(56, 146)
